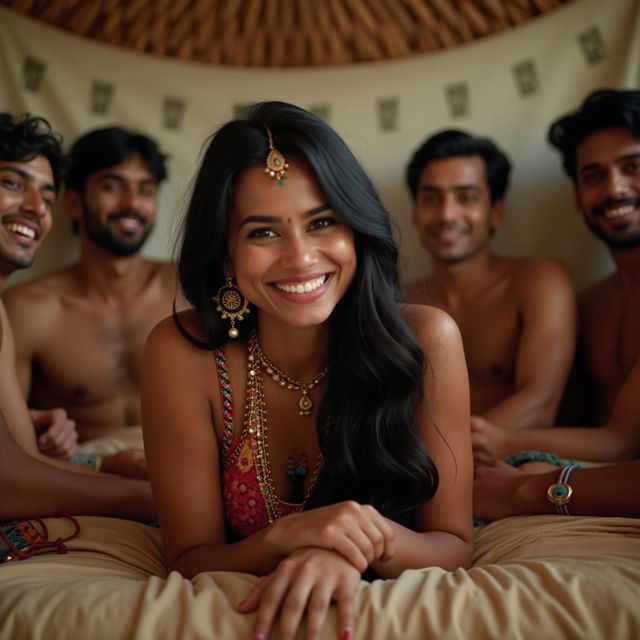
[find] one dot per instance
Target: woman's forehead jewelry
(276, 166)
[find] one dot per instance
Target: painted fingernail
(259, 636)
(347, 633)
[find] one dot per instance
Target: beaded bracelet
(21, 539)
(90, 460)
(561, 492)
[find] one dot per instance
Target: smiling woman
(350, 457)
(296, 262)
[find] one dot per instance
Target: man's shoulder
(40, 290)
(532, 275)
(163, 270)
(540, 268)
(34, 307)
(160, 265)
(600, 287)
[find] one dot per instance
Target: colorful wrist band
(560, 493)
(90, 460)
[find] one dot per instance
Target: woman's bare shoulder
(168, 334)
(430, 324)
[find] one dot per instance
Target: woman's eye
(263, 232)
(322, 223)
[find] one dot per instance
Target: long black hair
(366, 420)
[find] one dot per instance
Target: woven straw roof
(283, 33)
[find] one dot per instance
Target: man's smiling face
(27, 194)
(607, 191)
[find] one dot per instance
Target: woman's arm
(445, 536)
(180, 406)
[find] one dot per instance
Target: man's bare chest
(94, 355)
(490, 335)
(611, 339)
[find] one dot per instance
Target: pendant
(297, 470)
(305, 404)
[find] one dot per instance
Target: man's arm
(31, 487)
(31, 316)
(28, 322)
(500, 491)
(545, 350)
(616, 441)
(12, 402)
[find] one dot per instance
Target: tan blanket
(114, 440)
(544, 577)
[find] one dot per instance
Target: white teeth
(619, 212)
(301, 287)
(21, 229)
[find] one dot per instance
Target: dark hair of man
(371, 449)
(103, 148)
(601, 109)
(452, 144)
(28, 136)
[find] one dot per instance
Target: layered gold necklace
(256, 424)
(305, 404)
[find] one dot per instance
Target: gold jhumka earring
(231, 304)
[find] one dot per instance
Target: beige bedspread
(542, 577)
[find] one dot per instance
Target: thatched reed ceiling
(284, 33)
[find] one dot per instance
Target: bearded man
(80, 331)
(600, 147)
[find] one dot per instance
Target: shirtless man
(600, 146)
(31, 484)
(80, 331)
(517, 316)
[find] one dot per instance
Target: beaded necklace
(256, 423)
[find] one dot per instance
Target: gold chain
(256, 423)
(305, 404)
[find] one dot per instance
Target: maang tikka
(231, 304)
(276, 166)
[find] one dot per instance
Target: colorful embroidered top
(244, 504)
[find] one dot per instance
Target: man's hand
(495, 491)
(56, 433)
(490, 443)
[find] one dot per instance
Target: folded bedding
(532, 577)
